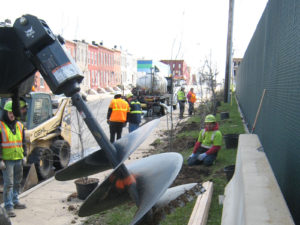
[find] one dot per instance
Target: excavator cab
(39, 109)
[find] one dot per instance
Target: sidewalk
(47, 203)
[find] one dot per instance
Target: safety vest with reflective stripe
(181, 96)
(135, 115)
(192, 98)
(210, 138)
(12, 148)
(119, 110)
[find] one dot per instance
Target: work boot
(19, 206)
(10, 212)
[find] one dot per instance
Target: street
(81, 135)
(82, 138)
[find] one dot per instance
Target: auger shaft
(102, 140)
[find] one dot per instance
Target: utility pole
(228, 52)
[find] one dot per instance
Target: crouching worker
(208, 144)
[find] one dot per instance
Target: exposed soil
(86, 180)
(195, 174)
(187, 174)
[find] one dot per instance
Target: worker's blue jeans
(191, 108)
(133, 126)
(181, 109)
(12, 177)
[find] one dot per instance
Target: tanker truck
(156, 93)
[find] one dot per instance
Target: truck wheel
(44, 164)
(4, 219)
(62, 153)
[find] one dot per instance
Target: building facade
(236, 64)
(100, 66)
(179, 69)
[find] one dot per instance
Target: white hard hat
(118, 93)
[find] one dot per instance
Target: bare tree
(208, 76)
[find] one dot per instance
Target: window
(42, 82)
(41, 111)
(93, 77)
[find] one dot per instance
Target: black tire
(44, 163)
(62, 153)
(4, 219)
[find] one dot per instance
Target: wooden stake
(258, 111)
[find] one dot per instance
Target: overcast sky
(156, 29)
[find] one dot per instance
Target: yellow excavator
(48, 137)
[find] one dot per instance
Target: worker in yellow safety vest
(191, 96)
(12, 152)
(208, 144)
(117, 116)
(182, 100)
(135, 116)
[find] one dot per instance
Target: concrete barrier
(253, 195)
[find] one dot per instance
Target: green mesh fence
(272, 62)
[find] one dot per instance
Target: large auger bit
(149, 177)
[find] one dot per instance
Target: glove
(107, 122)
(202, 156)
(192, 155)
(24, 161)
(2, 165)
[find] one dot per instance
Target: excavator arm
(29, 46)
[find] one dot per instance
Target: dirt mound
(187, 174)
(194, 174)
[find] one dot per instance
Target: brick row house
(179, 69)
(101, 66)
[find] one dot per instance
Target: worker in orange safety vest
(117, 116)
(191, 96)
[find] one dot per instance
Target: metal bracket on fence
(260, 149)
